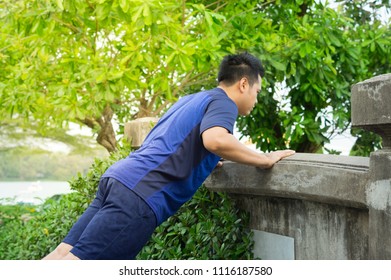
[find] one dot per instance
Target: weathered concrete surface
(324, 178)
(320, 230)
(378, 194)
(371, 106)
(135, 131)
(371, 110)
(319, 200)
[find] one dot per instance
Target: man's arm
(219, 141)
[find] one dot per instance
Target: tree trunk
(106, 134)
(106, 138)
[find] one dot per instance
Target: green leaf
(278, 65)
(59, 3)
(124, 4)
(334, 39)
(102, 11)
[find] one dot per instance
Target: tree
(92, 61)
(316, 53)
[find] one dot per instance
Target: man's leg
(60, 252)
(64, 248)
(119, 230)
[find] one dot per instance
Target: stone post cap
(135, 131)
(371, 106)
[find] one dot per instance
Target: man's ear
(243, 83)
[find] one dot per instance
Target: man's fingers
(285, 153)
(290, 152)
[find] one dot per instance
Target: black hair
(236, 66)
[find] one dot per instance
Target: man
(138, 193)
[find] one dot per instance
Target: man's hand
(276, 156)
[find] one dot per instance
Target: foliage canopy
(97, 61)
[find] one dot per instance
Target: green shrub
(34, 237)
(207, 227)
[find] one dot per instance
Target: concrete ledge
(331, 179)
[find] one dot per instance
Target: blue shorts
(116, 225)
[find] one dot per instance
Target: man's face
(249, 98)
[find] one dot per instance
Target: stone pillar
(371, 107)
(135, 131)
(371, 110)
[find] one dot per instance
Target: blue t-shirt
(172, 162)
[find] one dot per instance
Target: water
(31, 192)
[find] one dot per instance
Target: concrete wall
(331, 207)
(318, 200)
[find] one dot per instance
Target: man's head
(241, 76)
(236, 66)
